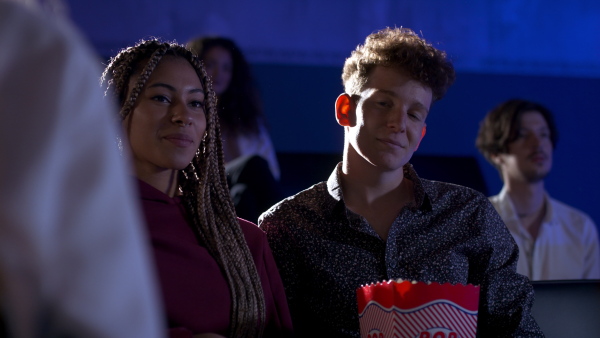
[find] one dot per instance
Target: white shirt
(566, 247)
(245, 145)
(74, 259)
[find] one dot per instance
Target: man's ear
(345, 110)
(497, 159)
(423, 132)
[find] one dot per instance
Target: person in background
(74, 259)
(555, 241)
(216, 271)
(251, 162)
(375, 219)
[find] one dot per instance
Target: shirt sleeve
(261, 145)
(592, 254)
(281, 242)
(279, 322)
(506, 296)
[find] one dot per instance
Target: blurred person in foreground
(555, 241)
(74, 260)
(375, 219)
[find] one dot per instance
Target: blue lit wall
(547, 51)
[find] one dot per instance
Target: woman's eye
(160, 98)
(197, 104)
(384, 104)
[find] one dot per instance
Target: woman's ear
(345, 110)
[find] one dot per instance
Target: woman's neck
(165, 181)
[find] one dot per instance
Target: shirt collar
(148, 192)
(422, 199)
(507, 207)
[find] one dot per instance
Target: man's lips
(180, 140)
(391, 142)
(538, 157)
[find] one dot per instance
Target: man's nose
(397, 119)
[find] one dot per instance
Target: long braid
(206, 195)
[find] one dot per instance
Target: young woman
(216, 271)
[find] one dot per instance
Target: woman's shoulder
(255, 237)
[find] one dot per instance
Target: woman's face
(168, 121)
(219, 67)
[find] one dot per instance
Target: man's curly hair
(403, 49)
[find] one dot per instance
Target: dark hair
(239, 106)
(205, 193)
(500, 126)
(399, 48)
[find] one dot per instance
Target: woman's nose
(181, 116)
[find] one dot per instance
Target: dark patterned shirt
(452, 234)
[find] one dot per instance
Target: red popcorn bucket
(417, 310)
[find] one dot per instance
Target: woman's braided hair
(203, 182)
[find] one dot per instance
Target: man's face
(529, 157)
(389, 118)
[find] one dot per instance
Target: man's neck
(527, 197)
(366, 182)
(528, 200)
(377, 195)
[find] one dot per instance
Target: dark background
(545, 51)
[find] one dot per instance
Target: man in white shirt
(74, 260)
(555, 241)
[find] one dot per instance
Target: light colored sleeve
(592, 260)
(74, 259)
(267, 150)
(260, 145)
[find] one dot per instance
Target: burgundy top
(195, 292)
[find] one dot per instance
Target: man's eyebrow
(392, 93)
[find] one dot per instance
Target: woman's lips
(180, 140)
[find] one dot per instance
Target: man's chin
(536, 176)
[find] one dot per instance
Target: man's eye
(415, 116)
(384, 104)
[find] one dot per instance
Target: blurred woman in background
(250, 157)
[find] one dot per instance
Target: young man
(555, 241)
(375, 219)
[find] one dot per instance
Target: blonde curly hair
(399, 48)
